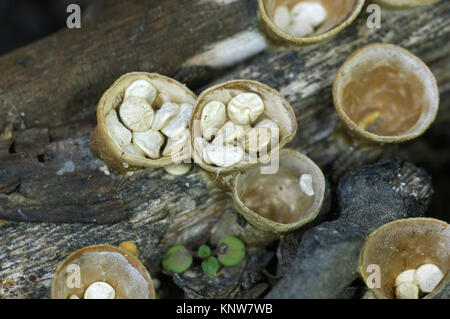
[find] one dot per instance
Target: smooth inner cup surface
(122, 272)
(279, 197)
(384, 99)
(387, 92)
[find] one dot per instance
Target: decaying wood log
(57, 181)
(308, 92)
(50, 89)
(60, 78)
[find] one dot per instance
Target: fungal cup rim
(279, 35)
(131, 259)
(431, 90)
(362, 273)
(274, 227)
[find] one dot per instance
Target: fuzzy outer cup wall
(301, 22)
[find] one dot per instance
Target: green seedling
(178, 259)
(210, 266)
(231, 251)
(204, 251)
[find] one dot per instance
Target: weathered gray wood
(60, 78)
(163, 210)
(57, 182)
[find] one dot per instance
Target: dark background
(25, 21)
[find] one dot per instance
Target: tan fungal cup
(249, 120)
(281, 202)
(403, 4)
(109, 265)
(143, 121)
(385, 94)
(286, 22)
(406, 244)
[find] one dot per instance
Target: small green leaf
(210, 266)
(204, 251)
(178, 259)
(232, 251)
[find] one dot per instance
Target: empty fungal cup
(385, 94)
(404, 247)
(102, 272)
(281, 202)
(297, 22)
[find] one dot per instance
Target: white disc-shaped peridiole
(411, 258)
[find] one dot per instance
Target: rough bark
(60, 78)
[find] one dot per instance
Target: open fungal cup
(239, 124)
(284, 201)
(143, 121)
(102, 272)
(385, 94)
(403, 4)
(413, 256)
(297, 22)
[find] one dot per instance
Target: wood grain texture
(53, 85)
(59, 79)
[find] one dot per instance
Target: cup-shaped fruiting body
(403, 4)
(284, 201)
(385, 94)
(239, 124)
(298, 22)
(413, 258)
(143, 121)
(102, 272)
